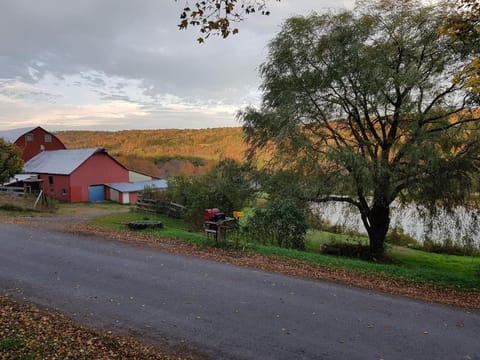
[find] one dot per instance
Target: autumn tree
(10, 160)
(463, 24)
(361, 104)
(218, 17)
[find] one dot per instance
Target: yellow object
(238, 214)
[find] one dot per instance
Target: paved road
(225, 311)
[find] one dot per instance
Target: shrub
(347, 249)
(283, 223)
(396, 236)
(447, 247)
(226, 187)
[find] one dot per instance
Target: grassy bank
(406, 265)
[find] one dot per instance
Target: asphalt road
(225, 312)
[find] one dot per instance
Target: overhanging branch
(337, 198)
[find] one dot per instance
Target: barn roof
(138, 186)
(60, 162)
(21, 177)
(13, 134)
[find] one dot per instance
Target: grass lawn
(173, 228)
(414, 266)
(11, 205)
(316, 238)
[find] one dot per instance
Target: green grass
(11, 343)
(413, 266)
(172, 228)
(462, 271)
(316, 238)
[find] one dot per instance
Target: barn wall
(57, 186)
(114, 195)
(98, 169)
(124, 198)
(37, 143)
(77, 193)
(133, 196)
(135, 177)
(108, 195)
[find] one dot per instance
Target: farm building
(76, 175)
(127, 193)
(135, 176)
(25, 183)
(33, 141)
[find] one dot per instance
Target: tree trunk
(378, 223)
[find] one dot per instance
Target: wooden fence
(160, 207)
(12, 190)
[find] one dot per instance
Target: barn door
(96, 193)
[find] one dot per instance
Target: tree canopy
(219, 16)
(362, 104)
(464, 24)
(10, 160)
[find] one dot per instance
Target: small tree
(282, 222)
(284, 219)
(227, 187)
(10, 160)
(362, 103)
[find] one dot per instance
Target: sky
(123, 64)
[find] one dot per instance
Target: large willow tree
(367, 105)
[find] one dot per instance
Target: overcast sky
(122, 64)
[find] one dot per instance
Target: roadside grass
(406, 265)
(10, 343)
(65, 208)
(173, 228)
(11, 205)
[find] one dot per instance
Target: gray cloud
(137, 40)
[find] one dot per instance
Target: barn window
(50, 180)
(64, 192)
(48, 138)
(29, 137)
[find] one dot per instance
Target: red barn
(37, 140)
(76, 175)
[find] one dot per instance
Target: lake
(461, 225)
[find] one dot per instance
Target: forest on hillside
(163, 152)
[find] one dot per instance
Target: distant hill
(163, 152)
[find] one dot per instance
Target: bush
(347, 249)
(226, 187)
(283, 223)
(396, 236)
(447, 247)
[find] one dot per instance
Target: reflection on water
(460, 225)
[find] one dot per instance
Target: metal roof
(13, 134)
(21, 177)
(60, 162)
(138, 186)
